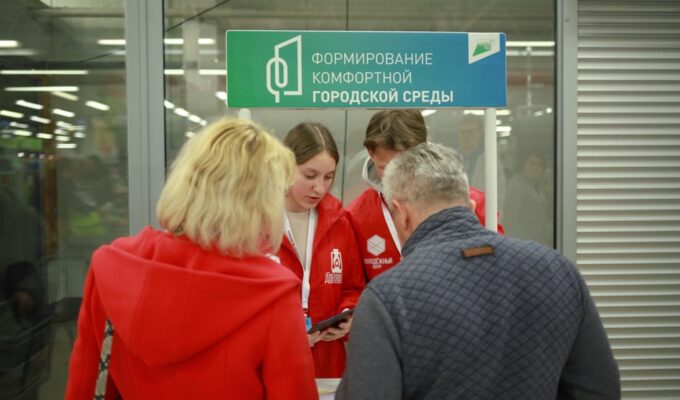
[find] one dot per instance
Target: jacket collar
(456, 222)
(370, 176)
(329, 211)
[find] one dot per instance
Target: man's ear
(402, 212)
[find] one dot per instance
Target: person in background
(24, 314)
(471, 146)
(319, 244)
(527, 209)
(201, 310)
(388, 133)
(469, 313)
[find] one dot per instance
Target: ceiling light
(97, 105)
(60, 131)
(63, 138)
(44, 136)
(65, 125)
(41, 89)
(173, 41)
(43, 72)
(533, 53)
(425, 113)
(111, 42)
(21, 132)
(206, 41)
(18, 125)
(169, 51)
(28, 104)
(11, 114)
(195, 118)
(9, 43)
(189, 134)
(66, 96)
(40, 119)
(221, 95)
(181, 112)
(212, 71)
(173, 72)
(17, 52)
(203, 122)
(63, 113)
(66, 145)
(530, 44)
(80, 135)
(168, 104)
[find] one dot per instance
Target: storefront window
(63, 177)
(195, 89)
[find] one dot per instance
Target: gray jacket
(446, 324)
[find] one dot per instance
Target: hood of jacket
(169, 299)
(370, 175)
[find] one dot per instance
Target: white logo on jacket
(335, 276)
(375, 245)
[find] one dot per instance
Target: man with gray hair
(468, 313)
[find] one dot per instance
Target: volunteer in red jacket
(201, 310)
(319, 244)
(388, 133)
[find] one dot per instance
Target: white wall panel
(628, 184)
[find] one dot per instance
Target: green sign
(344, 69)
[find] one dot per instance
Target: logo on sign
(287, 73)
(375, 245)
(482, 45)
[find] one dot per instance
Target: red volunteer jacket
(378, 250)
(331, 291)
(190, 324)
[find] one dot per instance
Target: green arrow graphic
(482, 47)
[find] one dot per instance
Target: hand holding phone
(333, 321)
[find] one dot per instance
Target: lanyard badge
(307, 264)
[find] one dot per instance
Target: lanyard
(390, 223)
(307, 265)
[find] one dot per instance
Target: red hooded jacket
(190, 324)
(379, 251)
(330, 291)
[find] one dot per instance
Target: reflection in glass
(63, 178)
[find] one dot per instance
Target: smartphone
(333, 321)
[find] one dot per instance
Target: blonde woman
(199, 310)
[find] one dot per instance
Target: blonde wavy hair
(226, 189)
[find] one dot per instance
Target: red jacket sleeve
(480, 209)
(353, 279)
(288, 370)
